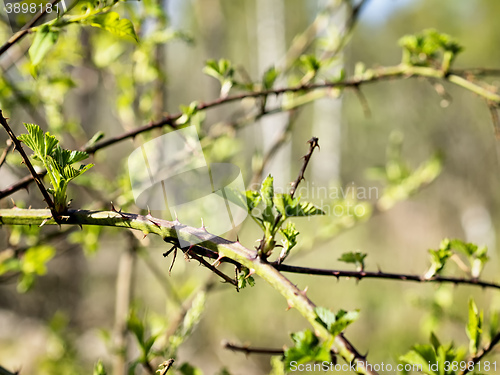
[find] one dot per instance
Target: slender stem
(212, 268)
(19, 148)
(313, 143)
(5, 152)
(494, 341)
(166, 366)
(383, 275)
(233, 250)
(251, 350)
(124, 289)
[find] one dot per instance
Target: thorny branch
(224, 248)
(358, 275)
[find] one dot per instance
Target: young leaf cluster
(423, 49)
(357, 258)
(433, 358)
(270, 211)
(307, 348)
(56, 160)
(475, 255)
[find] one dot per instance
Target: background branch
(384, 275)
(401, 71)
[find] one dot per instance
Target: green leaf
(435, 341)
(357, 258)
(42, 145)
(439, 258)
(474, 327)
(269, 78)
(111, 22)
(187, 112)
(493, 326)
(253, 199)
(277, 366)
(431, 359)
(36, 258)
(191, 319)
(289, 207)
(477, 256)
(187, 369)
(310, 63)
(44, 39)
(224, 371)
(245, 279)
(99, 368)
(136, 326)
(307, 349)
(422, 356)
(267, 191)
(290, 234)
(33, 263)
(220, 70)
(95, 138)
(267, 194)
(335, 323)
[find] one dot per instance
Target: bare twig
(164, 281)
(212, 268)
(251, 350)
(364, 102)
(383, 275)
(5, 151)
(348, 28)
(124, 291)
(166, 366)
(494, 341)
(494, 118)
(254, 350)
(313, 143)
(19, 148)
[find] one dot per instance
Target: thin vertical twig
(166, 366)
(19, 148)
(124, 290)
(313, 143)
(5, 151)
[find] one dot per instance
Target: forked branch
(224, 248)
